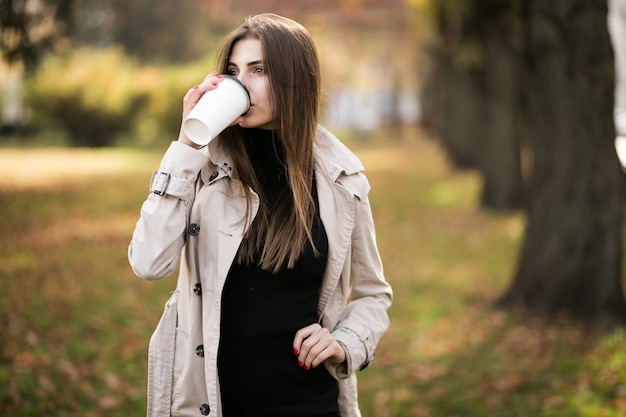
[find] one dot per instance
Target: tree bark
(476, 75)
(458, 80)
(500, 161)
(571, 257)
(463, 124)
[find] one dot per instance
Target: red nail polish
(214, 84)
(196, 87)
(296, 352)
(306, 368)
(219, 77)
(300, 364)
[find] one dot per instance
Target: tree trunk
(460, 95)
(463, 121)
(476, 77)
(500, 162)
(570, 261)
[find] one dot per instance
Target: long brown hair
(292, 67)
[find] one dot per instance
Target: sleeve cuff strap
(164, 184)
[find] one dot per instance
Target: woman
(281, 296)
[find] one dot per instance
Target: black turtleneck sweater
(261, 313)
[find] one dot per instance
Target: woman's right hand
(192, 97)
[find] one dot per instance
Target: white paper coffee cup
(216, 110)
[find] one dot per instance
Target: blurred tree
(457, 83)
(164, 30)
(571, 258)
(175, 31)
(30, 28)
(476, 93)
(499, 156)
(148, 30)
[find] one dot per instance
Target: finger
(191, 99)
(319, 358)
(210, 82)
(212, 74)
(314, 346)
(300, 349)
(198, 90)
(333, 352)
(301, 335)
(319, 347)
(195, 93)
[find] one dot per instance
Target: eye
(232, 71)
(258, 70)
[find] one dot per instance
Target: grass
(76, 322)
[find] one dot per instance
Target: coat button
(194, 229)
(205, 409)
(200, 351)
(213, 176)
(197, 289)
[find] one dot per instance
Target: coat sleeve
(159, 234)
(364, 320)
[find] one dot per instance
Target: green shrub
(89, 94)
(96, 96)
(163, 89)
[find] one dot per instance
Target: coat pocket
(161, 353)
(180, 360)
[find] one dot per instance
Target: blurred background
(493, 134)
(126, 64)
(123, 63)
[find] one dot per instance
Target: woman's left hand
(314, 344)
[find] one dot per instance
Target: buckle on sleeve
(160, 183)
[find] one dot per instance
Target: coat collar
(220, 163)
(333, 158)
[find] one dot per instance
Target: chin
(251, 124)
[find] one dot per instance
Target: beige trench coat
(193, 215)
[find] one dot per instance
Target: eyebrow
(249, 64)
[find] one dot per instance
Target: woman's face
(246, 64)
